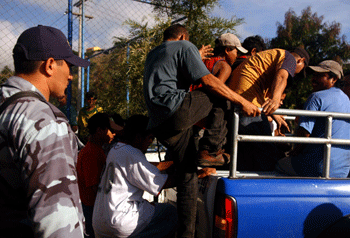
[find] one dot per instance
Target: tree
(203, 27)
(321, 40)
(113, 75)
(5, 73)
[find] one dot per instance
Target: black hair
(173, 31)
(22, 65)
(99, 120)
(252, 42)
(117, 118)
(339, 83)
(219, 49)
(90, 94)
(136, 125)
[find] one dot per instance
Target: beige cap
(329, 66)
(231, 40)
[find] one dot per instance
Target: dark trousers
(89, 231)
(177, 135)
(257, 156)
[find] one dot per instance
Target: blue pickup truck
(269, 204)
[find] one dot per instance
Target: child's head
(136, 133)
(100, 127)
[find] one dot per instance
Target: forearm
(279, 84)
(218, 88)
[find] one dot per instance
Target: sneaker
(206, 159)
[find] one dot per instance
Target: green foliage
(112, 75)
(321, 40)
(5, 73)
(203, 27)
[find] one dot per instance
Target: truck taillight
(225, 214)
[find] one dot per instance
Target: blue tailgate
(286, 207)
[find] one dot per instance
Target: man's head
(45, 51)
(91, 99)
(326, 74)
(136, 133)
(176, 32)
(228, 45)
(254, 44)
(100, 127)
(302, 59)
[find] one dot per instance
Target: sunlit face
(300, 65)
(91, 102)
(322, 81)
(60, 79)
(231, 55)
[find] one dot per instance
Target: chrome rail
(290, 113)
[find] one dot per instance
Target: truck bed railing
(327, 140)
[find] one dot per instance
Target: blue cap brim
(77, 61)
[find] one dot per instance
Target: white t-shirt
(119, 209)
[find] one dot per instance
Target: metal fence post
(327, 147)
(234, 139)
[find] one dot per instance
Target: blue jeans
(177, 134)
(163, 223)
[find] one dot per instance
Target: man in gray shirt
(170, 69)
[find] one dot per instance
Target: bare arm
(278, 85)
(215, 86)
(222, 71)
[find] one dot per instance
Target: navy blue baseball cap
(43, 42)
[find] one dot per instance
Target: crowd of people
(85, 176)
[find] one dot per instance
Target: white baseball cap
(231, 40)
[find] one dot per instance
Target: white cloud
(8, 36)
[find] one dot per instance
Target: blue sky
(260, 18)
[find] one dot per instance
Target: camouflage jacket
(38, 181)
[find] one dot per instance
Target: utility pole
(81, 52)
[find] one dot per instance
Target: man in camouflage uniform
(39, 193)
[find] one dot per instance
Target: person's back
(258, 73)
(120, 210)
(163, 90)
(331, 100)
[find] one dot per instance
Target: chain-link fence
(96, 25)
(103, 21)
